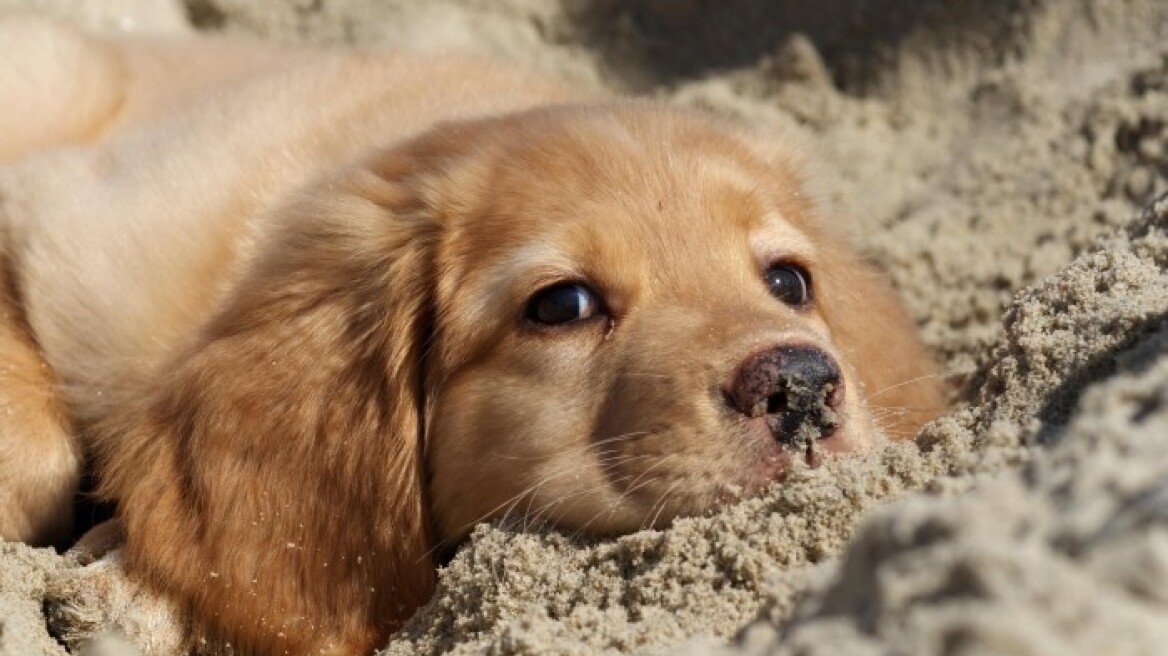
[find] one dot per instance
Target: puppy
(311, 315)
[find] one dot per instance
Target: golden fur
(278, 300)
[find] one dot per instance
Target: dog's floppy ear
(273, 482)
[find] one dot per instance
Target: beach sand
(1002, 161)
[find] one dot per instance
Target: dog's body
(306, 312)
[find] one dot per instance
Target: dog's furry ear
(273, 482)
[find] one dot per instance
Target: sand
(1001, 160)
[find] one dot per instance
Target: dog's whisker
(885, 413)
(558, 501)
(631, 488)
(610, 509)
(917, 379)
(608, 463)
(618, 438)
(527, 493)
(636, 486)
(577, 449)
(905, 408)
(562, 469)
(513, 502)
(661, 503)
(509, 504)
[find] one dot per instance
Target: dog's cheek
(663, 424)
(493, 437)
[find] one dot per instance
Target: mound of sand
(995, 158)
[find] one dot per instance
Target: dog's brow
(778, 235)
(744, 191)
(541, 255)
(531, 262)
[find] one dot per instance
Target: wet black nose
(797, 388)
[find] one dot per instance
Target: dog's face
(640, 315)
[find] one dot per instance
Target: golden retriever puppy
(313, 314)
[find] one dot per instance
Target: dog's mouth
(806, 443)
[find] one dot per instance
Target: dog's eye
(789, 283)
(563, 303)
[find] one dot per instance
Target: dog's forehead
(669, 184)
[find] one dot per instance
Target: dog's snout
(797, 388)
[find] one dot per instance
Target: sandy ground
(996, 157)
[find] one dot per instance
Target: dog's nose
(797, 388)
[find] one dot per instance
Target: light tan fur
(277, 296)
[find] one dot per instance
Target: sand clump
(996, 158)
(24, 579)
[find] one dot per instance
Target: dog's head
(640, 313)
(597, 318)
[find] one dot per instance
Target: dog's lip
(766, 468)
(774, 464)
(773, 458)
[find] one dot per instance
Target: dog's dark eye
(563, 303)
(789, 283)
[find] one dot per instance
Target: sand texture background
(1002, 159)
